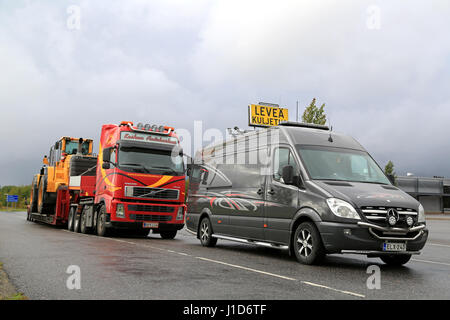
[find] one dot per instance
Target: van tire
(396, 260)
(205, 233)
(307, 244)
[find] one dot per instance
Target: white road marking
(438, 245)
(433, 262)
(236, 266)
(333, 289)
(283, 277)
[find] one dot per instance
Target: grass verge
(7, 290)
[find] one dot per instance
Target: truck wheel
(396, 260)
(206, 238)
(70, 222)
(168, 234)
(307, 244)
(76, 223)
(102, 231)
(83, 228)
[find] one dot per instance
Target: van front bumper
(367, 238)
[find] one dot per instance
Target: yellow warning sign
(266, 116)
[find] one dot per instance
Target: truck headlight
(342, 209)
(180, 213)
(120, 211)
(421, 217)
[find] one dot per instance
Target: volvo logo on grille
(392, 216)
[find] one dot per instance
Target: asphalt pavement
(37, 258)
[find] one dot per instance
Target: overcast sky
(381, 67)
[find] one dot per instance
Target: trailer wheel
(70, 222)
(168, 234)
(102, 231)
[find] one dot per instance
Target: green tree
(389, 169)
(315, 115)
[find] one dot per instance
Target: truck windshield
(135, 159)
(327, 163)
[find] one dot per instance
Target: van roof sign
(260, 115)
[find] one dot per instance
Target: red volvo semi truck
(137, 184)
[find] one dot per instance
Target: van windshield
(339, 164)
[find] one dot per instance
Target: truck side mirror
(107, 155)
(45, 160)
(288, 174)
(106, 165)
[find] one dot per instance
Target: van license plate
(150, 225)
(391, 246)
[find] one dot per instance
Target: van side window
(282, 157)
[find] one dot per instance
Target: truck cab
(140, 182)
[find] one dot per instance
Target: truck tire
(205, 233)
(396, 260)
(102, 230)
(83, 228)
(76, 223)
(307, 242)
(168, 234)
(71, 218)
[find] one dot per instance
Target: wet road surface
(37, 256)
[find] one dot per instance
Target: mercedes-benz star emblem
(392, 217)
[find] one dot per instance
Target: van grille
(378, 215)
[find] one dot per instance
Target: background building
(433, 193)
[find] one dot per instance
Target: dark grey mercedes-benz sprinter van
(304, 188)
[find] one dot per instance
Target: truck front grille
(152, 193)
(150, 217)
(150, 208)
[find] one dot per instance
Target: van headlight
(120, 211)
(342, 209)
(421, 217)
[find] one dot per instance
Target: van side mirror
(106, 165)
(288, 174)
(391, 178)
(205, 176)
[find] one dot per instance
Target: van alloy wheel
(205, 233)
(305, 243)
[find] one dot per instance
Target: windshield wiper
(167, 168)
(135, 164)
